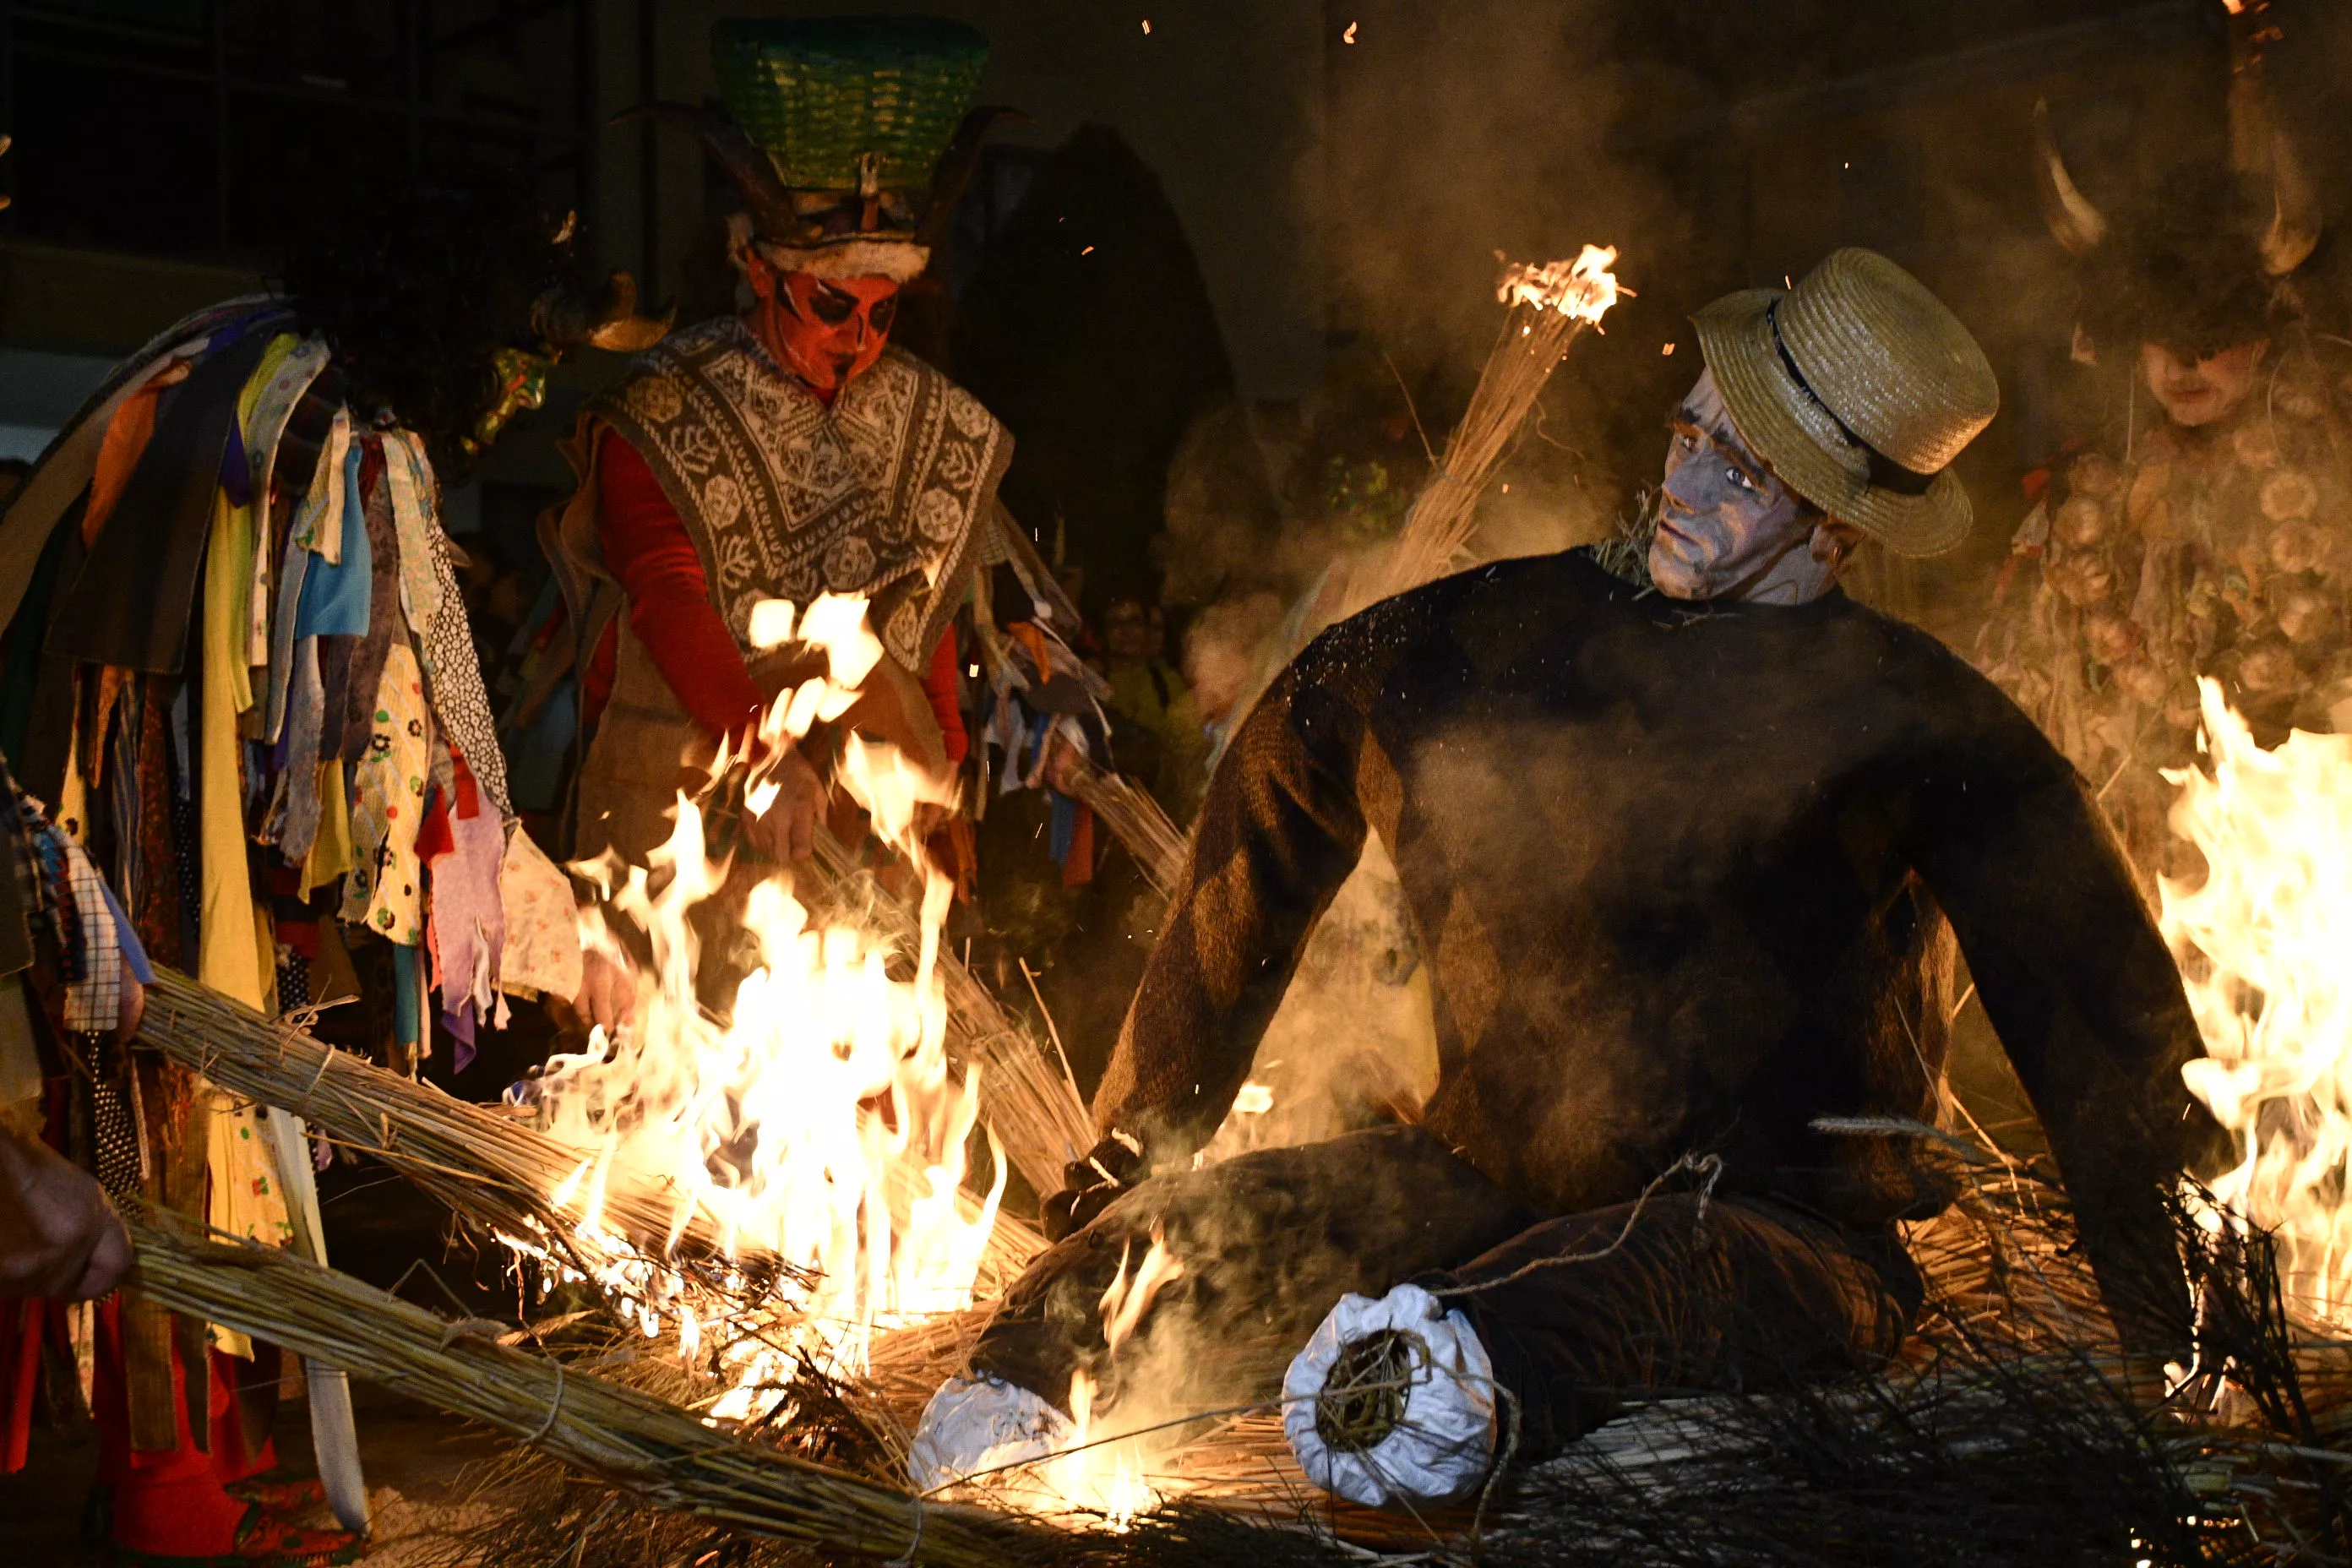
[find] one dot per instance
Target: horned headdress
(2201, 261)
(847, 136)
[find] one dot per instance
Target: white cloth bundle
(1440, 1449)
(975, 1425)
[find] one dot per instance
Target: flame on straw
(1583, 289)
(820, 1123)
(2262, 941)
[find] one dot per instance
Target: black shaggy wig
(2184, 269)
(417, 286)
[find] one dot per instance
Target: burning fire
(2263, 944)
(820, 1123)
(1107, 1475)
(1582, 289)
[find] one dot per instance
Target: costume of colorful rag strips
(258, 701)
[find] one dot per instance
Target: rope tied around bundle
(1363, 1399)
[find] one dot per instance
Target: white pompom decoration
(974, 1424)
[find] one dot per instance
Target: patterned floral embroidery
(656, 401)
(880, 492)
(723, 501)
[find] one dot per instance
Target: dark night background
(1227, 254)
(1289, 225)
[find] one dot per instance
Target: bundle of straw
(2012, 1429)
(1550, 306)
(631, 1438)
(1136, 819)
(485, 1166)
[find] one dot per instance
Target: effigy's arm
(2082, 993)
(1279, 832)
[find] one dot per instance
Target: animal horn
(733, 150)
(605, 317)
(2073, 221)
(2258, 145)
(2296, 214)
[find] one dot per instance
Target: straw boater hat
(1859, 388)
(848, 136)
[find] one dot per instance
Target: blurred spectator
(1158, 735)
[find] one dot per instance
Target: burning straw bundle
(2010, 1434)
(483, 1165)
(667, 1486)
(1550, 306)
(499, 1173)
(1026, 1094)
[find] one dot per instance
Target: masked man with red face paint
(790, 450)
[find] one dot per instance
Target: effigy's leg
(1235, 1264)
(1408, 1397)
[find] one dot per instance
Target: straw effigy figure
(1690, 832)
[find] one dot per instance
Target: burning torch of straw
(1582, 289)
(1551, 305)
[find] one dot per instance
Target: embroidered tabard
(786, 499)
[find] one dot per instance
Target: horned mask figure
(2200, 264)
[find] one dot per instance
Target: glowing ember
(2262, 943)
(820, 1123)
(1582, 289)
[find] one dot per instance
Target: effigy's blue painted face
(1726, 524)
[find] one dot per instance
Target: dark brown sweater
(1684, 872)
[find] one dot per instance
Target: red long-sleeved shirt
(647, 547)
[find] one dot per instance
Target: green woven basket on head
(818, 94)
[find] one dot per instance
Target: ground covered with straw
(2011, 1431)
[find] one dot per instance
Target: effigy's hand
(1109, 1171)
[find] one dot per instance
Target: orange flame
(1583, 289)
(820, 1123)
(2261, 943)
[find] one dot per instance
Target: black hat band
(1884, 471)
